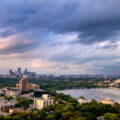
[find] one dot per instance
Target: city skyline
(25, 71)
(64, 37)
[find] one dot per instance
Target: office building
(11, 73)
(25, 71)
(19, 70)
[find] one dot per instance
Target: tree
(8, 98)
(66, 115)
(111, 116)
(2, 118)
(23, 102)
(80, 118)
(82, 97)
(69, 107)
(58, 114)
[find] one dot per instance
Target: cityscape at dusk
(59, 59)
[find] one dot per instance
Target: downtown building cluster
(19, 74)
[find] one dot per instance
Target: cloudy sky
(62, 36)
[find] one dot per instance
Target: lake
(97, 94)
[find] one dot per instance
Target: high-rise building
(25, 71)
(10, 72)
(19, 70)
(23, 84)
(19, 73)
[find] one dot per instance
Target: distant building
(117, 81)
(13, 93)
(43, 102)
(33, 87)
(25, 71)
(12, 110)
(107, 101)
(19, 70)
(20, 109)
(6, 105)
(11, 73)
(81, 101)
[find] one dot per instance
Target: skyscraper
(25, 71)
(19, 70)
(10, 73)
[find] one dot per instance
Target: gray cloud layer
(34, 23)
(93, 20)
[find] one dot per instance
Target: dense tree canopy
(68, 111)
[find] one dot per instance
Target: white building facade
(41, 103)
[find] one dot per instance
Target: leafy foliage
(23, 102)
(8, 98)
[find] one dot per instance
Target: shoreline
(88, 88)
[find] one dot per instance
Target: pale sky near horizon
(65, 36)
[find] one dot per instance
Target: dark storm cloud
(13, 13)
(95, 21)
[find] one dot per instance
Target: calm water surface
(97, 94)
